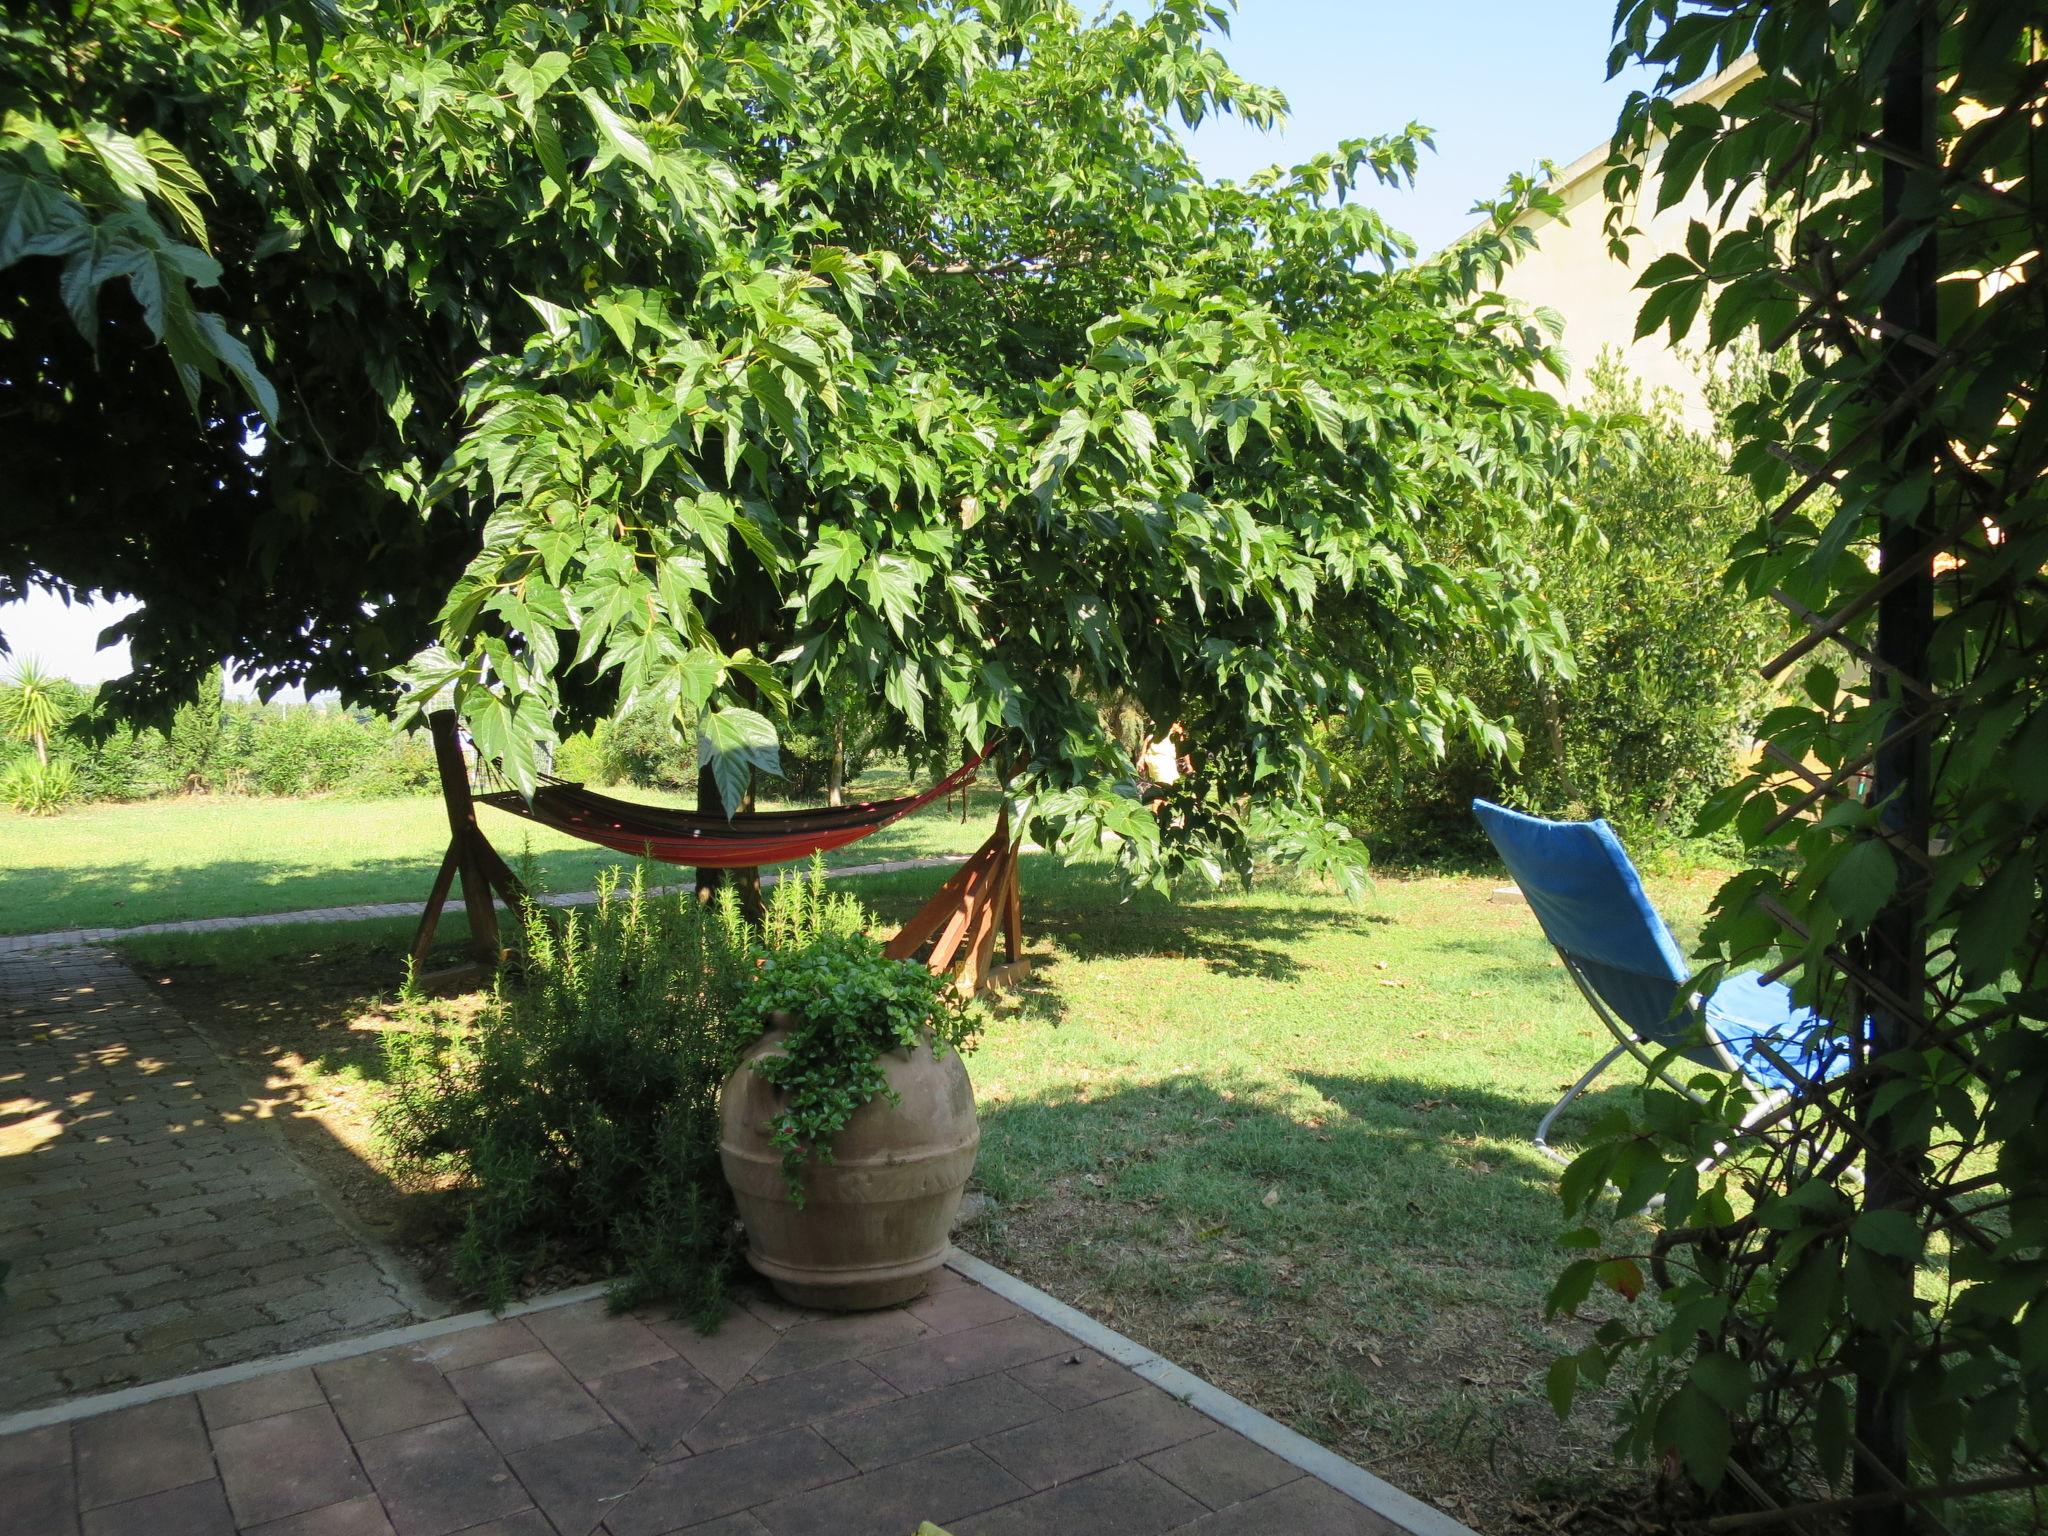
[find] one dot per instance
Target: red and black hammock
(713, 842)
(954, 933)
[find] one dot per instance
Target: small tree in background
(32, 707)
(1657, 710)
(194, 738)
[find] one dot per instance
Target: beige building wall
(1571, 271)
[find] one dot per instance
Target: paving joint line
(94, 1404)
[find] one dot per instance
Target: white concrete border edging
(318, 1354)
(1376, 1494)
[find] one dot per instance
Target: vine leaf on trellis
(1861, 884)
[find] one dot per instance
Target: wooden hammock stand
(956, 929)
(954, 932)
(486, 877)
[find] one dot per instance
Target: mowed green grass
(1284, 1141)
(227, 856)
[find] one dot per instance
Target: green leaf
(1723, 1378)
(1697, 1427)
(1994, 922)
(528, 83)
(1573, 1285)
(1892, 1233)
(698, 676)
(892, 584)
(234, 353)
(837, 555)
(733, 743)
(547, 147)
(1561, 1384)
(617, 140)
(1862, 883)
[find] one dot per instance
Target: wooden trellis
(1893, 974)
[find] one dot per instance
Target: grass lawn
(228, 856)
(1281, 1139)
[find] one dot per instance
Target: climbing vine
(1854, 1318)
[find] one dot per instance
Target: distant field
(227, 856)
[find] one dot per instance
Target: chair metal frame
(1647, 1052)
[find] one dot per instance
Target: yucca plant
(38, 788)
(30, 710)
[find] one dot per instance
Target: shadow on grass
(1373, 1144)
(1366, 1263)
(1075, 907)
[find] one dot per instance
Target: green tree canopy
(706, 352)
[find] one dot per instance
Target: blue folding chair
(1590, 903)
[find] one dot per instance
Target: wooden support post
(423, 935)
(466, 849)
(945, 903)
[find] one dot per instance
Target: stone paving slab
(154, 1224)
(65, 938)
(570, 1421)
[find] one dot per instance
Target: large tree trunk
(746, 881)
(835, 771)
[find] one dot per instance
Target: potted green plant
(848, 1130)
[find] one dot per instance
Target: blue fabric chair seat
(1747, 1010)
(1586, 894)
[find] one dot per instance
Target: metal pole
(1896, 945)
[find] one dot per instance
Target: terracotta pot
(877, 1219)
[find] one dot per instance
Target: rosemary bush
(581, 1112)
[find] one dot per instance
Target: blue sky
(1505, 84)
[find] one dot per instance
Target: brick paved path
(64, 938)
(154, 1225)
(960, 1409)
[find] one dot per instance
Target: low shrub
(37, 788)
(581, 1111)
